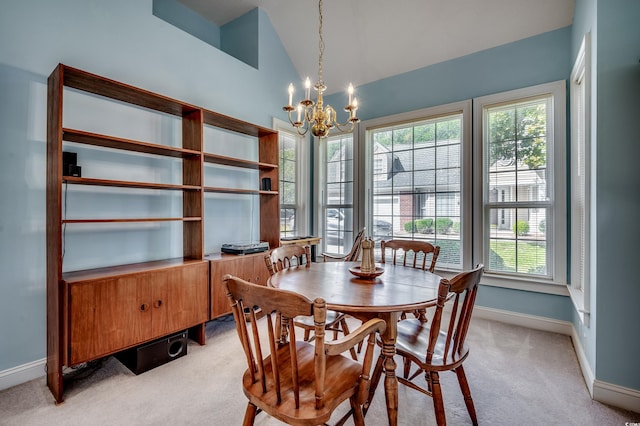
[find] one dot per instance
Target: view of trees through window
(417, 175)
(517, 196)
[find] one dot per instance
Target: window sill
(516, 283)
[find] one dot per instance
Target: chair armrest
(333, 257)
(347, 342)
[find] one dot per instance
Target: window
(520, 143)
(580, 186)
(288, 176)
(336, 153)
(419, 169)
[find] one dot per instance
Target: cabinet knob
(144, 307)
(158, 303)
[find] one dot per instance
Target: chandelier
(315, 116)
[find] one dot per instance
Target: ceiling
(367, 40)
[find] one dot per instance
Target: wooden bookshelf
(98, 312)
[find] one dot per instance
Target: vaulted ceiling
(367, 40)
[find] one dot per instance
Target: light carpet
(517, 376)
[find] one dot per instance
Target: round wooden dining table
(396, 290)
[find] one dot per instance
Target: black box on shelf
(153, 354)
(70, 164)
(71, 170)
(266, 184)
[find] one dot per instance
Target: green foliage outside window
(521, 227)
(519, 135)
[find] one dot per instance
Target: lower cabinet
(250, 267)
(106, 315)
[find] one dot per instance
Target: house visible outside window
(580, 184)
(288, 176)
(520, 146)
(336, 204)
(420, 180)
(496, 196)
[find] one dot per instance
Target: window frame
(321, 198)
(556, 178)
(580, 92)
(302, 179)
(367, 173)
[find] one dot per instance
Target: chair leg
(427, 378)
(375, 379)
(407, 367)
(345, 331)
(307, 332)
(358, 416)
(466, 392)
(438, 403)
(250, 415)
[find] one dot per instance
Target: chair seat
(413, 340)
(341, 374)
(332, 318)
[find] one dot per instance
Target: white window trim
(557, 284)
(320, 177)
(365, 178)
(302, 175)
(580, 292)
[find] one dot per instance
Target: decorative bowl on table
(358, 272)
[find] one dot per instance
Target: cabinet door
(219, 268)
(179, 298)
(107, 315)
(260, 271)
(249, 267)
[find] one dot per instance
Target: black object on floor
(153, 354)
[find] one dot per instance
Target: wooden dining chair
(297, 382)
(416, 254)
(413, 253)
(296, 256)
(354, 253)
(441, 345)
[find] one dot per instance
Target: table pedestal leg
(390, 384)
(390, 380)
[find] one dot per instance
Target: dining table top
(397, 288)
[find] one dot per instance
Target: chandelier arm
(293, 123)
(342, 127)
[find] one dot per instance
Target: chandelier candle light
(316, 116)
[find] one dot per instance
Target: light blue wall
(535, 60)
(528, 62)
(122, 40)
(525, 302)
(239, 38)
(187, 20)
(618, 190)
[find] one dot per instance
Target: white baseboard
(607, 393)
(587, 373)
(22, 373)
(524, 320)
(615, 395)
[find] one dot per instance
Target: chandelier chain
(320, 45)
